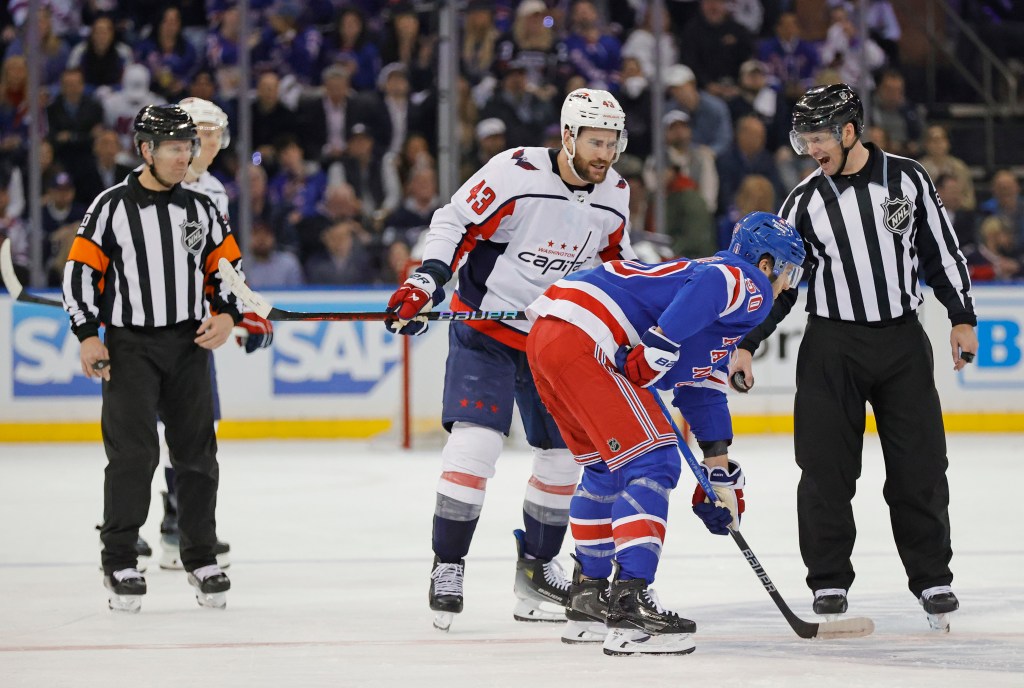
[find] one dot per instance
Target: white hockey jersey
(516, 228)
(212, 187)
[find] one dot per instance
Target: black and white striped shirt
(870, 238)
(148, 259)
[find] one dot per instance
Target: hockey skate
(541, 587)
(126, 586)
(446, 592)
(639, 625)
(211, 586)
(587, 609)
(830, 602)
(938, 603)
(170, 547)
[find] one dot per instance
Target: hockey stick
(257, 304)
(13, 284)
(842, 628)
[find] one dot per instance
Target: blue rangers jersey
(706, 305)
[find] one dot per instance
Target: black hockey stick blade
(253, 302)
(13, 284)
(856, 627)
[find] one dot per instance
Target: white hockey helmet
(587, 107)
(203, 112)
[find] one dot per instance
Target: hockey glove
(254, 332)
(418, 294)
(728, 485)
(645, 363)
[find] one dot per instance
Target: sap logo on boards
(45, 354)
(1000, 360)
(317, 357)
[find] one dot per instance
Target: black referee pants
(158, 371)
(840, 367)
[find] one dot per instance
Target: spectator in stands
(592, 52)
(72, 117)
(709, 115)
(396, 260)
(103, 169)
(61, 216)
(490, 140)
(755, 193)
(270, 118)
(393, 112)
(997, 256)
(532, 45)
(13, 106)
(1006, 202)
(746, 156)
(322, 118)
(404, 43)
(121, 107)
(339, 203)
(631, 167)
(345, 259)
(420, 201)
(884, 29)
(296, 189)
(756, 97)
(286, 47)
(268, 267)
(642, 43)
(525, 115)
(841, 52)
(964, 221)
(373, 177)
(170, 58)
(903, 121)
(479, 41)
(635, 98)
(938, 161)
(12, 226)
(714, 45)
(222, 41)
(350, 47)
(687, 160)
(261, 208)
(414, 154)
(101, 57)
(52, 48)
(791, 60)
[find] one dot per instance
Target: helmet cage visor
(155, 147)
(212, 128)
(803, 140)
(785, 268)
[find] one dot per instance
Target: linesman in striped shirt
(874, 227)
(144, 263)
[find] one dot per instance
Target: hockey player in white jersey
(527, 218)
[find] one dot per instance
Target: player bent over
(525, 219)
(600, 338)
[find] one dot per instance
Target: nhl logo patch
(193, 237)
(614, 445)
(897, 214)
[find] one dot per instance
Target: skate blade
(212, 600)
(129, 604)
(938, 622)
(627, 643)
(584, 633)
(443, 621)
(529, 610)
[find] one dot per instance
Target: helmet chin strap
(151, 166)
(571, 157)
(846, 153)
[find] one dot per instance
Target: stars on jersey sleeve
(478, 405)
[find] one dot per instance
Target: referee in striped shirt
(144, 262)
(874, 227)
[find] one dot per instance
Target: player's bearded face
(595, 149)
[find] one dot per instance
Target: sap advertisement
(353, 370)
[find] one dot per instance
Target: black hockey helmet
(156, 123)
(823, 107)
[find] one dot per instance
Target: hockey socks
(542, 540)
(590, 516)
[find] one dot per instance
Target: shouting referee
(144, 262)
(873, 226)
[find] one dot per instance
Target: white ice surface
(331, 551)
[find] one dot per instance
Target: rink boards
(327, 380)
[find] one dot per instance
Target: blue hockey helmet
(759, 233)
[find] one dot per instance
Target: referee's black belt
(874, 324)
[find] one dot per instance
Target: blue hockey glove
(728, 485)
(645, 363)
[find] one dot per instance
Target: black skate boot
(639, 625)
(446, 592)
(541, 587)
(142, 550)
(126, 586)
(211, 586)
(938, 602)
(170, 544)
(830, 602)
(587, 609)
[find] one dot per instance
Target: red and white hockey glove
(258, 332)
(728, 485)
(645, 363)
(418, 294)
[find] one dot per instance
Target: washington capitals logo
(897, 214)
(621, 184)
(522, 161)
(193, 237)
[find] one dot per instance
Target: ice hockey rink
(331, 555)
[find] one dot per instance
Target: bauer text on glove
(418, 294)
(645, 363)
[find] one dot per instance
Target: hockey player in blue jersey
(599, 338)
